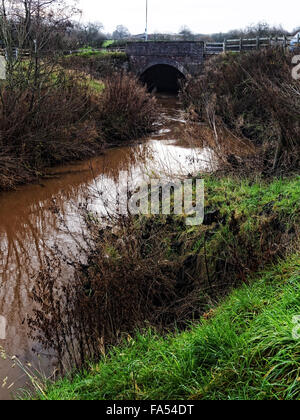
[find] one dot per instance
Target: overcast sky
(202, 16)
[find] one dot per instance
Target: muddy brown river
(30, 229)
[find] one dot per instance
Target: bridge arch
(163, 74)
(166, 62)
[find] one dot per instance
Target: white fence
(238, 45)
(210, 48)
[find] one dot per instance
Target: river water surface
(30, 228)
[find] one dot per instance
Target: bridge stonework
(186, 57)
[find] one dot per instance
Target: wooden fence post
(257, 43)
(224, 46)
(284, 42)
(241, 44)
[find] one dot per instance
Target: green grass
(245, 351)
(255, 222)
(89, 53)
(108, 43)
(96, 85)
(249, 196)
(243, 348)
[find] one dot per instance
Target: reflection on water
(2, 327)
(29, 228)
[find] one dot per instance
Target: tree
(186, 33)
(263, 29)
(296, 31)
(93, 35)
(121, 32)
(36, 26)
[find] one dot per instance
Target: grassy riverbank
(241, 347)
(245, 351)
(206, 311)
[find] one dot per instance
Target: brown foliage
(96, 65)
(44, 129)
(150, 272)
(253, 97)
(66, 121)
(126, 111)
(129, 282)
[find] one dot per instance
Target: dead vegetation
(49, 115)
(39, 131)
(126, 111)
(67, 120)
(99, 65)
(128, 283)
(158, 272)
(252, 99)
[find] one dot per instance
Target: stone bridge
(162, 64)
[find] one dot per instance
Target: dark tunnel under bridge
(163, 64)
(162, 78)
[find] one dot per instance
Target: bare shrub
(95, 64)
(153, 271)
(252, 96)
(127, 111)
(56, 126)
(129, 282)
(66, 121)
(48, 115)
